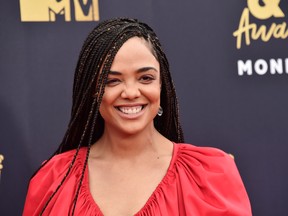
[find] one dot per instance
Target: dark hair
(86, 124)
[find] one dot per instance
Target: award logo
(51, 10)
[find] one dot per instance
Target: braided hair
(86, 126)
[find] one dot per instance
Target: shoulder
(203, 150)
(205, 155)
(65, 157)
(49, 176)
(212, 175)
(206, 160)
(59, 163)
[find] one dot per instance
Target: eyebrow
(140, 70)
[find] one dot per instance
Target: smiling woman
(123, 152)
(132, 94)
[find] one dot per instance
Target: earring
(160, 111)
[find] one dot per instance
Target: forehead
(136, 44)
(135, 52)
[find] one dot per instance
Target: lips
(130, 110)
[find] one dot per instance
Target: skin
(131, 158)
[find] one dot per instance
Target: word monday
(262, 67)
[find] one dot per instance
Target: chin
(134, 129)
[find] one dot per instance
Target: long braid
(79, 145)
(100, 93)
(75, 155)
(86, 125)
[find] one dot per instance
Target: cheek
(110, 95)
(153, 94)
(107, 101)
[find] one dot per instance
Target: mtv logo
(49, 10)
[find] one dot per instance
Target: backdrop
(228, 58)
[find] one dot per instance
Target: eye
(112, 81)
(146, 79)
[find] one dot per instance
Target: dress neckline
(164, 180)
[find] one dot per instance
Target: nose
(131, 91)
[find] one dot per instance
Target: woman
(119, 155)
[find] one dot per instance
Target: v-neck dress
(199, 181)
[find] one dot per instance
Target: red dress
(199, 181)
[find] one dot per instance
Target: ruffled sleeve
(209, 182)
(46, 181)
(200, 181)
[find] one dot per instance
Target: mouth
(128, 110)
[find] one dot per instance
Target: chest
(124, 189)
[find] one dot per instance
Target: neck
(122, 145)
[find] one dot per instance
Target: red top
(199, 181)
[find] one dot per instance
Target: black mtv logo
(51, 10)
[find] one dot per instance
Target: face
(132, 93)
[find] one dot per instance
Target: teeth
(130, 110)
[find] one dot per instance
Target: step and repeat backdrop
(229, 61)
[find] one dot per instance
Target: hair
(86, 125)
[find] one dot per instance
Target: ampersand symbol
(1, 159)
(271, 8)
